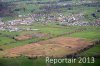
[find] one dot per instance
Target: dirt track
(56, 47)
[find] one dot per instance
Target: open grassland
(89, 33)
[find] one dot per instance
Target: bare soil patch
(56, 47)
(29, 36)
(23, 37)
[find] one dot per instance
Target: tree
(6, 8)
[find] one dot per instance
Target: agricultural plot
(26, 37)
(46, 32)
(65, 45)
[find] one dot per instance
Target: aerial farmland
(31, 30)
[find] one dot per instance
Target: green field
(22, 61)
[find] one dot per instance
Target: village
(71, 20)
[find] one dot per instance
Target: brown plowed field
(56, 47)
